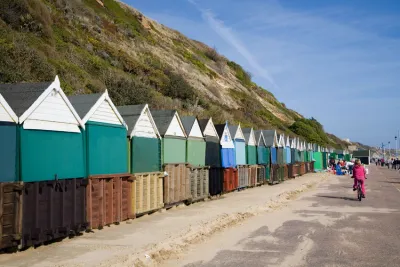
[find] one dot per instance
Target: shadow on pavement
(344, 198)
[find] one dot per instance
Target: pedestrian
(349, 166)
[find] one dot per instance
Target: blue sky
(335, 60)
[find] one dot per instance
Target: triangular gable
(210, 130)
(261, 139)
(52, 111)
(145, 125)
(196, 131)
(281, 142)
(6, 112)
(226, 139)
(239, 133)
(293, 143)
(175, 127)
(287, 142)
(250, 137)
(104, 111)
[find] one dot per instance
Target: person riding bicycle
(359, 175)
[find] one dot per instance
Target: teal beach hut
(105, 134)
(50, 131)
(144, 140)
(263, 154)
(8, 143)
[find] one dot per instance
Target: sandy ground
(164, 237)
(326, 226)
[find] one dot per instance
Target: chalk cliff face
(98, 44)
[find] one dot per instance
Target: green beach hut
(173, 144)
(263, 153)
(8, 143)
(195, 144)
(144, 140)
(251, 149)
(49, 131)
(105, 134)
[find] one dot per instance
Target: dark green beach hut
(173, 136)
(105, 134)
(251, 149)
(213, 151)
(8, 143)
(195, 144)
(50, 131)
(144, 140)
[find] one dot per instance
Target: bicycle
(359, 191)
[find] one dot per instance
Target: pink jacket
(359, 172)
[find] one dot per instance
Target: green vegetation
(311, 130)
(93, 47)
(241, 74)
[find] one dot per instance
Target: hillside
(94, 44)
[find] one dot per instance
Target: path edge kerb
(155, 254)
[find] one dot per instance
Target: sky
(335, 60)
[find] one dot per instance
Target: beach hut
(228, 159)
(144, 158)
(173, 135)
(213, 156)
(105, 134)
(251, 150)
(8, 143)
(263, 153)
(51, 149)
(230, 173)
(51, 141)
(144, 140)
(240, 144)
(177, 185)
(281, 149)
(288, 153)
(293, 150)
(271, 140)
(195, 145)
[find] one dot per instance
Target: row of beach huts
(70, 164)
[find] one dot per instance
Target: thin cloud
(227, 34)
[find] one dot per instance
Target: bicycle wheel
(359, 193)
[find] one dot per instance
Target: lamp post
(389, 150)
(395, 139)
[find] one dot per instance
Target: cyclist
(359, 175)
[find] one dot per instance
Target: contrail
(226, 33)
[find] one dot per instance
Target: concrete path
(152, 240)
(323, 227)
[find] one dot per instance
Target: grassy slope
(138, 60)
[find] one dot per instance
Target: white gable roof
(281, 141)
(145, 125)
(6, 112)
(252, 138)
(288, 141)
(293, 143)
(239, 133)
(196, 131)
(261, 140)
(175, 128)
(52, 111)
(226, 139)
(104, 111)
(210, 129)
